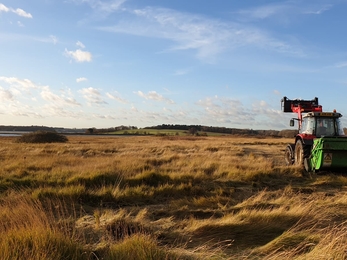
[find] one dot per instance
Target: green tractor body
(328, 153)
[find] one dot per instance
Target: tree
(192, 130)
(90, 131)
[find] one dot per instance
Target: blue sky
(105, 63)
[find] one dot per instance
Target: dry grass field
(166, 198)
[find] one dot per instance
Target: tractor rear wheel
(301, 152)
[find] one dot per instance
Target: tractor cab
(321, 124)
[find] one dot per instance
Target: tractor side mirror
(291, 123)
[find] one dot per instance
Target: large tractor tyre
(289, 154)
(301, 152)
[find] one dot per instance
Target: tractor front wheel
(301, 152)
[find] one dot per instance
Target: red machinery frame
(300, 106)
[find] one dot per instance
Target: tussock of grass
(35, 244)
(247, 227)
(122, 228)
(296, 242)
(333, 243)
(96, 179)
(150, 179)
(29, 232)
(321, 243)
(331, 180)
(74, 192)
(140, 247)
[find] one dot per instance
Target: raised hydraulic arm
(300, 106)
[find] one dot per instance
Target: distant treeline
(25, 128)
(233, 131)
(34, 128)
(196, 130)
(109, 129)
(224, 130)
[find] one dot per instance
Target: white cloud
(3, 8)
(106, 7)
(23, 84)
(225, 109)
(153, 95)
(181, 72)
(93, 96)
(22, 13)
(54, 39)
(26, 37)
(265, 11)
(80, 44)
(318, 9)
(208, 37)
(276, 92)
(109, 6)
(286, 10)
(26, 113)
(17, 11)
(263, 109)
(24, 90)
(189, 32)
(341, 65)
(263, 103)
(119, 99)
(21, 98)
(78, 80)
(56, 110)
(5, 95)
(134, 109)
(60, 101)
(24, 98)
(79, 55)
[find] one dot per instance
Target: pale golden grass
(310, 243)
(167, 198)
(31, 231)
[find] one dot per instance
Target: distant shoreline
(19, 133)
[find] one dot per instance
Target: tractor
(320, 144)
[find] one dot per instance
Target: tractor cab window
(326, 127)
(339, 127)
(307, 125)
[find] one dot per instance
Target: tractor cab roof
(323, 114)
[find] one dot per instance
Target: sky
(228, 63)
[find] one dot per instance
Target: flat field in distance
(166, 197)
